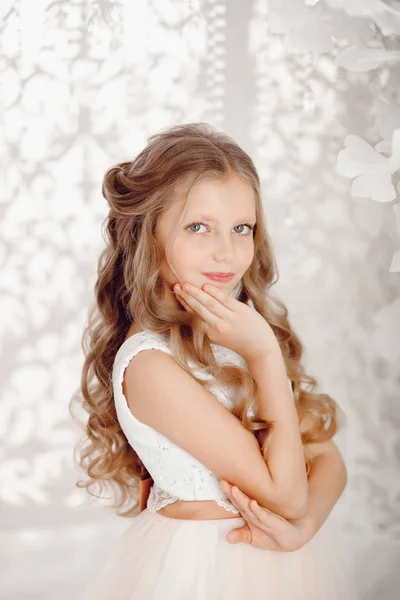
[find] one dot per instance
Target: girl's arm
(284, 454)
(267, 530)
(327, 481)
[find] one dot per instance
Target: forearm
(284, 455)
(327, 481)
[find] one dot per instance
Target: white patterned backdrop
(311, 92)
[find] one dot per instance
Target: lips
(222, 277)
(219, 274)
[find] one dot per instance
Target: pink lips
(225, 277)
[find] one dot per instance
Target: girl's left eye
(251, 227)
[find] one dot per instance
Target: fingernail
(234, 537)
(177, 288)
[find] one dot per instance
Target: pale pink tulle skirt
(160, 558)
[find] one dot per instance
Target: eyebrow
(206, 218)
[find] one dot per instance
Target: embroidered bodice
(177, 475)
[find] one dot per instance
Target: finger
(225, 486)
(227, 489)
(208, 300)
(242, 502)
(254, 513)
(266, 518)
(184, 304)
(209, 317)
(225, 299)
(240, 496)
(241, 534)
(260, 515)
(247, 507)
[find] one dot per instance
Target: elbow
(287, 508)
(294, 506)
(295, 512)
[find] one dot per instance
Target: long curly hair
(129, 287)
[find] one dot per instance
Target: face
(221, 240)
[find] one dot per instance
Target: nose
(224, 248)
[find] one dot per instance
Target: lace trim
(225, 503)
(143, 340)
(159, 498)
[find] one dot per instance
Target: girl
(219, 397)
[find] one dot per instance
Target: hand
(263, 528)
(184, 304)
(230, 323)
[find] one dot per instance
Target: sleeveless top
(177, 475)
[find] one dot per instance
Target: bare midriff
(196, 509)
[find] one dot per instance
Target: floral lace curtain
(311, 91)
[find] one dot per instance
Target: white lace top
(177, 475)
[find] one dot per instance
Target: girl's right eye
(194, 225)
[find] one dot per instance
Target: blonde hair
(129, 287)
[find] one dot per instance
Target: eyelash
(251, 227)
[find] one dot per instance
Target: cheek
(247, 257)
(184, 247)
(186, 256)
